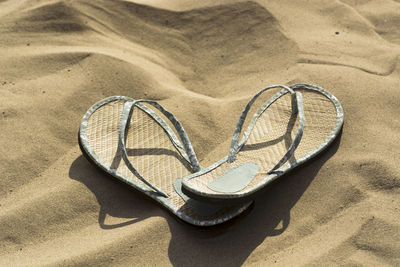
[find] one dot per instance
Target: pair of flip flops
(134, 141)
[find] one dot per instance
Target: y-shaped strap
(297, 107)
(124, 124)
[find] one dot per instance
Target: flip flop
(133, 143)
(289, 129)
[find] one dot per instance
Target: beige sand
(203, 60)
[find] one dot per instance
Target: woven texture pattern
(273, 133)
(149, 149)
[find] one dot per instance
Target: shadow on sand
(228, 244)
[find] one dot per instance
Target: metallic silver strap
(125, 121)
(297, 108)
(181, 132)
(296, 141)
(124, 124)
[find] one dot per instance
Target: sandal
(132, 143)
(289, 129)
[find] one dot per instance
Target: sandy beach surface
(202, 60)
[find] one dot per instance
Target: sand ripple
(203, 60)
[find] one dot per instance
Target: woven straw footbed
(149, 148)
(272, 135)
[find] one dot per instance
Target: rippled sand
(202, 60)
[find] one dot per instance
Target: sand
(203, 60)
